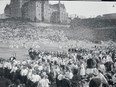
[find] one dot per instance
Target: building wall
(60, 16)
(55, 17)
(15, 8)
(47, 12)
(33, 10)
(23, 2)
(7, 10)
(38, 11)
(29, 10)
(63, 15)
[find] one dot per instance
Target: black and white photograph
(57, 43)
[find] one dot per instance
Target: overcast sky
(81, 8)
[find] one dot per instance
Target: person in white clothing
(82, 69)
(29, 74)
(44, 82)
(14, 68)
(35, 77)
(108, 58)
(24, 71)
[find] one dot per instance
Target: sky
(80, 8)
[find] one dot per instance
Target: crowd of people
(77, 68)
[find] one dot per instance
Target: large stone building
(37, 10)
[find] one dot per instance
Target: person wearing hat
(91, 63)
(91, 66)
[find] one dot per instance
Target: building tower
(16, 6)
(43, 9)
(7, 10)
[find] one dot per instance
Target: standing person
(43, 82)
(82, 68)
(51, 77)
(1, 68)
(24, 72)
(13, 72)
(76, 78)
(91, 67)
(108, 58)
(102, 78)
(35, 78)
(102, 67)
(31, 53)
(66, 81)
(59, 79)
(109, 66)
(103, 59)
